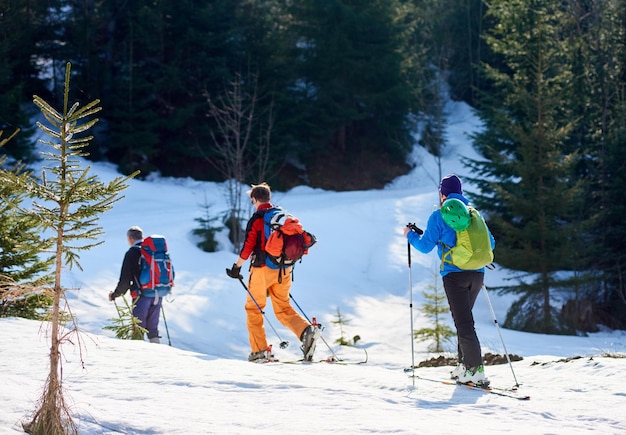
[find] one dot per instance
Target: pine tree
(342, 321)
(158, 60)
(598, 56)
(434, 307)
(206, 232)
(67, 200)
(20, 26)
(126, 326)
(526, 178)
(21, 267)
(354, 89)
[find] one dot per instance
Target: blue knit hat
(450, 184)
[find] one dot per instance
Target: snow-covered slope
(203, 384)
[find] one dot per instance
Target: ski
(266, 361)
(512, 393)
(330, 360)
(504, 392)
(340, 362)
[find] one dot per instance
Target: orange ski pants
(263, 282)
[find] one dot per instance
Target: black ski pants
(462, 288)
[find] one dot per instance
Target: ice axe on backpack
(284, 344)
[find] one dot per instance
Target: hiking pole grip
(415, 228)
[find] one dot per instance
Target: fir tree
(126, 326)
(207, 230)
(341, 321)
(67, 200)
(434, 307)
(22, 277)
(22, 24)
(351, 112)
(528, 192)
(598, 55)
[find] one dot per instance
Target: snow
(202, 383)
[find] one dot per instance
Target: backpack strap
(281, 270)
(258, 252)
(136, 292)
(271, 222)
(274, 223)
(445, 252)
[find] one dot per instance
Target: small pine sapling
(207, 230)
(67, 202)
(342, 321)
(435, 305)
(126, 326)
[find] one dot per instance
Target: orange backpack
(286, 240)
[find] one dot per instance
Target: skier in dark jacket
(145, 308)
(461, 286)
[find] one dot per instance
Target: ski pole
(283, 343)
(166, 328)
(408, 248)
(306, 317)
(412, 227)
(495, 321)
(118, 311)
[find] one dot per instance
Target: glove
(234, 272)
(111, 296)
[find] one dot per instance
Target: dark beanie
(450, 184)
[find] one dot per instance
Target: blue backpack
(157, 273)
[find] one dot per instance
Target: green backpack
(473, 244)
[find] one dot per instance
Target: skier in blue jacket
(461, 286)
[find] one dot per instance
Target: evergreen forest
(331, 93)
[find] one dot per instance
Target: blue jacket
(438, 233)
